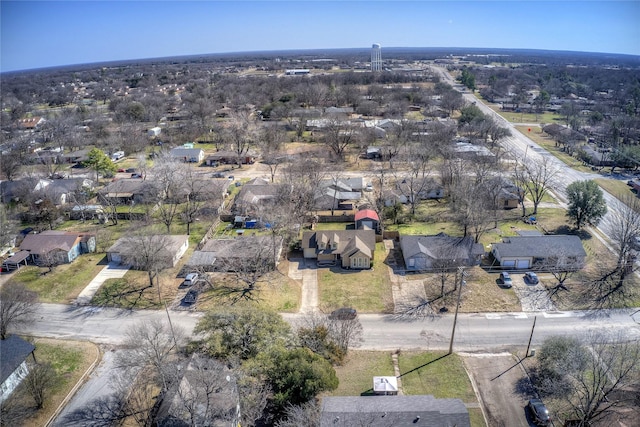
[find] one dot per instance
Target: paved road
(475, 332)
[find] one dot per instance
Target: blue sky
(50, 33)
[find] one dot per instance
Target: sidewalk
(111, 271)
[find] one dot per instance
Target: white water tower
(376, 57)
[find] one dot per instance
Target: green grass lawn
(366, 290)
(513, 117)
(618, 189)
(443, 378)
(65, 282)
(357, 372)
(437, 374)
(70, 360)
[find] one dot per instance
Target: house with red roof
(367, 219)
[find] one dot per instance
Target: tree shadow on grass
(566, 230)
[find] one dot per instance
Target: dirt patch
(502, 387)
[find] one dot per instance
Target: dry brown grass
(481, 293)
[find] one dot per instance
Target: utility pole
(531, 336)
(455, 317)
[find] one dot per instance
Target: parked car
(218, 175)
(539, 412)
(531, 277)
(191, 297)
(130, 170)
(121, 170)
(505, 279)
(136, 175)
(344, 313)
(190, 279)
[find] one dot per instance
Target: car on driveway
(344, 313)
(191, 297)
(538, 412)
(505, 279)
(531, 278)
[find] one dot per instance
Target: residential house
(346, 248)
(465, 150)
(53, 247)
(246, 252)
(63, 191)
(187, 154)
(14, 352)
(77, 156)
(254, 196)
(229, 158)
(127, 190)
(31, 123)
(550, 251)
(439, 251)
(396, 411)
(335, 193)
(367, 219)
(206, 395)
(171, 247)
(425, 189)
(505, 193)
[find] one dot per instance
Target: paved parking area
(532, 297)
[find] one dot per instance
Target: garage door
(508, 263)
(522, 264)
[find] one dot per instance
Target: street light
(455, 317)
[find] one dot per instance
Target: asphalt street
(474, 332)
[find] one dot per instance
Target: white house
(14, 352)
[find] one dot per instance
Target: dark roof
(13, 351)
(540, 246)
(16, 258)
(397, 411)
(49, 240)
(125, 185)
(440, 246)
(345, 238)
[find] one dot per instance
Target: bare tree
(169, 175)
(587, 376)
(248, 270)
(39, 381)
(18, 306)
(306, 414)
(338, 136)
(539, 177)
(202, 392)
(152, 345)
(625, 229)
(270, 143)
(240, 133)
(10, 165)
(146, 252)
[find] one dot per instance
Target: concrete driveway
(502, 388)
(111, 271)
(532, 297)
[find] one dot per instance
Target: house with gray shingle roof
(438, 251)
(397, 411)
(247, 252)
(524, 252)
(14, 352)
(57, 247)
(347, 248)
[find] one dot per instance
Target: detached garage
(526, 252)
